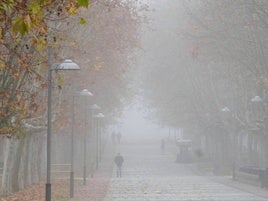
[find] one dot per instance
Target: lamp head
(85, 92)
(256, 99)
(225, 109)
(67, 64)
(95, 107)
(99, 115)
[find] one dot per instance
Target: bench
(254, 175)
(60, 170)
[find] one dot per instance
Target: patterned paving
(149, 175)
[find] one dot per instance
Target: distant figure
(119, 162)
(118, 137)
(113, 137)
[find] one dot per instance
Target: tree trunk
(39, 157)
(7, 171)
(26, 162)
(23, 172)
(16, 164)
(34, 158)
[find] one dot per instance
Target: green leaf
(82, 21)
(20, 26)
(7, 5)
(82, 3)
(35, 8)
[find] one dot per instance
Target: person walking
(118, 137)
(113, 137)
(119, 162)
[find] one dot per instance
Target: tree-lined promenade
(214, 82)
(199, 69)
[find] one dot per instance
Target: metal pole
(97, 145)
(92, 130)
(233, 115)
(101, 149)
(72, 153)
(85, 147)
(48, 184)
(100, 146)
(234, 148)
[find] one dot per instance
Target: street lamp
(227, 110)
(93, 108)
(86, 94)
(256, 99)
(98, 139)
(72, 147)
(72, 152)
(259, 101)
(66, 65)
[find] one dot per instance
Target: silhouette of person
(119, 162)
(118, 136)
(113, 137)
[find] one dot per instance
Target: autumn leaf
(5, 130)
(16, 73)
(82, 3)
(7, 6)
(20, 26)
(60, 81)
(42, 2)
(35, 8)
(82, 21)
(72, 10)
(28, 21)
(2, 64)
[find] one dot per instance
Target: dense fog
(164, 100)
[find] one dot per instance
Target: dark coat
(119, 160)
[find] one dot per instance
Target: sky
(133, 122)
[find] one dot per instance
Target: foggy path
(151, 175)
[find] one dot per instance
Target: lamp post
(86, 94)
(227, 110)
(93, 108)
(98, 139)
(72, 148)
(72, 153)
(66, 65)
(257, 100)
(264, 177)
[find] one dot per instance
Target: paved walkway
(98, 185)
(149, 175)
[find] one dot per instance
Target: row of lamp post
(69, 65)
(85, 93)
(66, 65)
(255, 99)
(234, 158)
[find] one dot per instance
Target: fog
(185, 83)
(135, 125)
